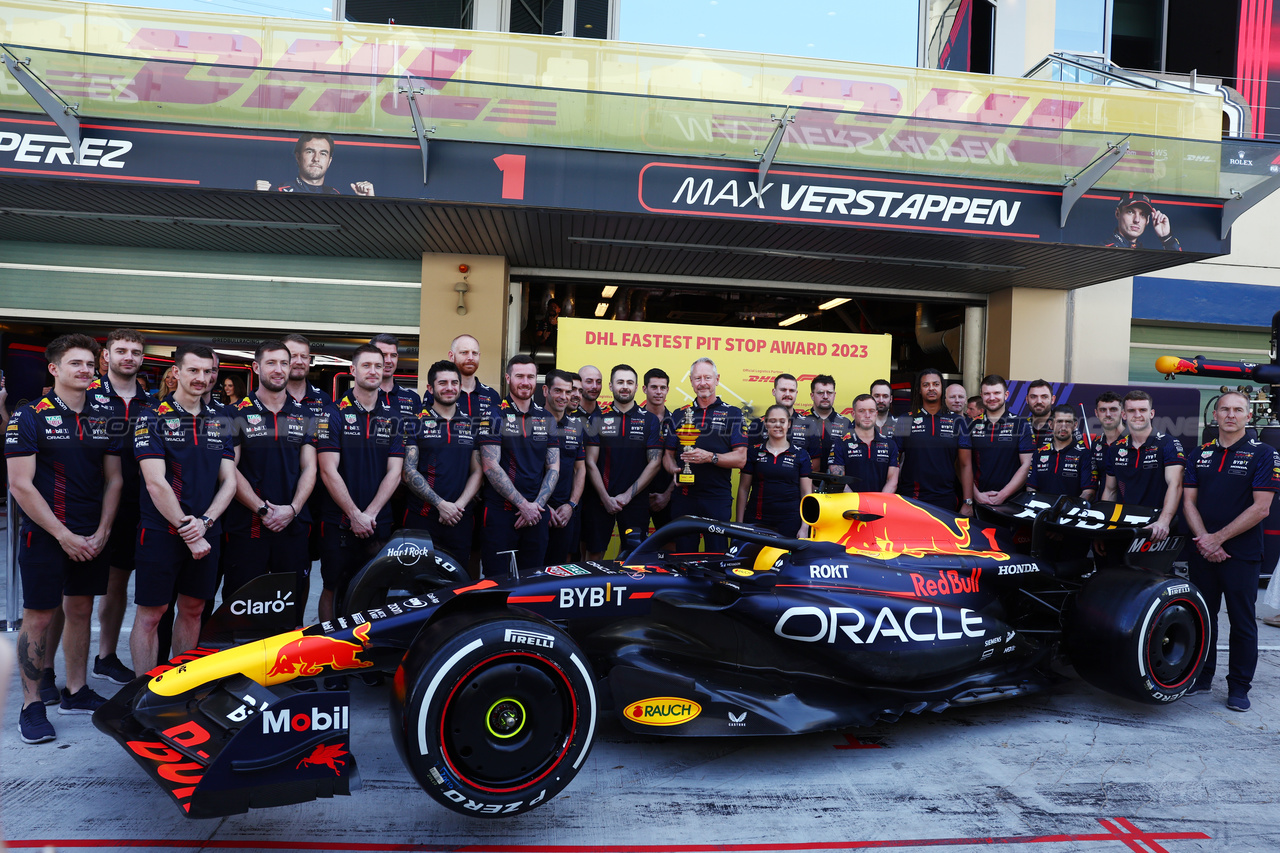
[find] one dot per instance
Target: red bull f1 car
(499, 687)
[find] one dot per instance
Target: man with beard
(1063, 465)
(882, 392)
(123, 393)
(269, 522)
(592, 385)
(314, 153)
(720, 447)
(785, 391)
(185, 449)
(313, 399)
(656, 386)
(820, 426)
(935, 448)
(1001, 446)
(564, 518)
(361, 454)
(442, 467)
(476, 400)
(575, 394)
(1040, 402)
(1132, 215)
(520, 453)
(624, 451)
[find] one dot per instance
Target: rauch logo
(663, 711)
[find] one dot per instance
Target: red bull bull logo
(309, 656)
(883, 527)
(1172, 365)
(44, 405)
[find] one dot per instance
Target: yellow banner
(345, 78)
(748, 359)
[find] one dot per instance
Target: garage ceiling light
(793, 319)
(601, 307)
(608, 292)
(833, 303)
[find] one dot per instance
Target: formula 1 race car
(892, 607)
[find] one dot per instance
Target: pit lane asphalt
(1073, 769)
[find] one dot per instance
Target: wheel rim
(1174, 644)
(508, 722)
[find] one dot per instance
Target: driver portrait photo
(1133, 214)
(314, 153)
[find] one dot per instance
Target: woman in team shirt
(775, 478)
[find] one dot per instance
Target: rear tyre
(1140, 636)
(493, 717)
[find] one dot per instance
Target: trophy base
(684, 479)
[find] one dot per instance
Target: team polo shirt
(445, 446)
(720, 430)
(820, 434)
(314, 400)
(662, 479)
(775, 481)
(68, 447)
(1139, 472)
(1225, 479)
(1062, 472)
(364, 439)
(406, 403)
(997, 449)
(270, 458)
(523, 439)
(1099, 449)
(478, 405)
(930, 446)
(572, 449)
(192, 445)
(797, 435)
(119, 426)
(869, 463)
(1042, 435)
(624, 439)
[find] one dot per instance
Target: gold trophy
(686, 434)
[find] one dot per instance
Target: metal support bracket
(64, 115)
(1083, 182)
(771, 150)
(1242, 200)
(411, 89)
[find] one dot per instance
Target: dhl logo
(310, 655)
(883, 527)
(44, 405)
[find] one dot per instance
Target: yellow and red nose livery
(309, 656)
(887, 526)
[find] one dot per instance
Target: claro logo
(663, 711)
(42, 148)
(249, 607)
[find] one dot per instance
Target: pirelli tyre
(408, 566)
(494, 713)
(1138, 635)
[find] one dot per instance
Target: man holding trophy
(707, 443)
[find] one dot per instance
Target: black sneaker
(1238, 700)
(49, 694)
(112, 669)
(34, 725)
(1199, 687)
(83, 701)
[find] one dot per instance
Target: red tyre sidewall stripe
(1204, 638)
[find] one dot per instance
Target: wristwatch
(715, 458)
(572, 505)
(208, 522)
(968, 501)
(263, 510)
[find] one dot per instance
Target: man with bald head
(592, 385)
(477, 400)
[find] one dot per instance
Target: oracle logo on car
(663, 711)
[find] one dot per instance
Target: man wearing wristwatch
(564, 519)
(720, 447)
(185, 451)
(268, 524)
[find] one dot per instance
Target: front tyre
(495, 713)
(1137, 635)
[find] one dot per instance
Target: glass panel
(1080, 26)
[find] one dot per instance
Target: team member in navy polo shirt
(120, 389)
(360, 451)
(521, 458)
(1107, 408)
(1001, 446)
(882, 392)
(775, 478)
(64, 471)
(935, 448)
(1063, 465)
(785, 389)
(721, 446)
(268, 524)
(186, 452)
(404, 401)
(657, 384)
(864, 454)
(1229, 485)
(442, 467)
(624, 451)
(477, 400)
(1040, 400)
(1145, 468)
(564, 514)
(314, 399)
(821, 426)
